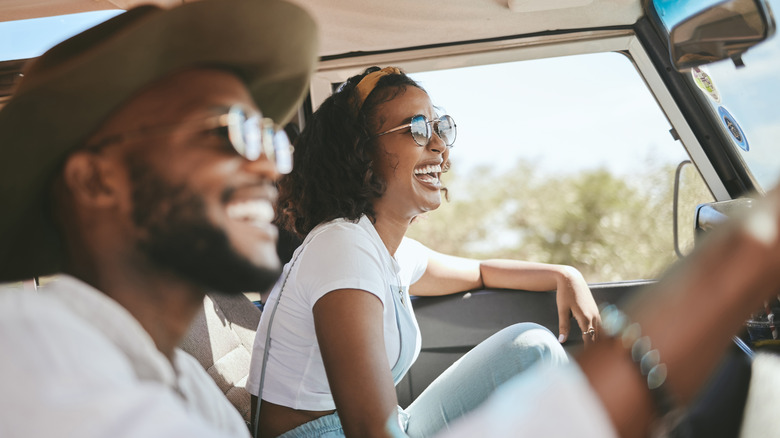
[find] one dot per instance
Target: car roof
(354, 26)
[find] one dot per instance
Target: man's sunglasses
(421, 129)
(250, 134)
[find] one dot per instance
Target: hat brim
(70, 90)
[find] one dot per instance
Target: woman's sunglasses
(421, 129)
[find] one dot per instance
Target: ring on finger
(591, 331)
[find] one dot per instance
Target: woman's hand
(447, 274)
(574, 298)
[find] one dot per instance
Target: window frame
(625, 41)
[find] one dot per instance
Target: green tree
(610, 227)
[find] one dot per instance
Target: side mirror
(704, 31)
(710, 215)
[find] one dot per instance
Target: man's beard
(178, 235)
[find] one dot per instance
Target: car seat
(221, 339)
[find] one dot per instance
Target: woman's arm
(350, 333)
(447, 274)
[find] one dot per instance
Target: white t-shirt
(77, 364)
(335, 255)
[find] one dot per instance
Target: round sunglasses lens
(243, 132)
(421, 130)
(447, 130)
(251, 137)
(282, 152)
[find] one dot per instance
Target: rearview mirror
(703, 31)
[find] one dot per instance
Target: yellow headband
(368, 83)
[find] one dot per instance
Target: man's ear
(92, 179)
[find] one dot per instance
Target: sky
(29, 38)
(594, 110)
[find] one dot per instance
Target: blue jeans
(328, 426)
(470, 380)
(465, 384)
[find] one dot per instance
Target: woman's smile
(429, 175)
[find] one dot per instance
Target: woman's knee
(533, 340)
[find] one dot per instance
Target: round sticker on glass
(733, 127)
(705, 83)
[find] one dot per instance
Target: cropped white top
(335, 255)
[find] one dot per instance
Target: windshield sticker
(733, 127)
(705, 83)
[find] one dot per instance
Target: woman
(342, 331)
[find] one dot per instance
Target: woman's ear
(92, 179)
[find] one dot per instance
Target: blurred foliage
(609, 227)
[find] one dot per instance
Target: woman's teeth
(428, 174)
(431, 168)
(258, 211)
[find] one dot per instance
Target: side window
(562, 160)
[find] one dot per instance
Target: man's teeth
(257, 211)
(432, 168)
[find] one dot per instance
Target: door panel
(452, 325)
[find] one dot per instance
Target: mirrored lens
(251, 137)
(235, 119)
(283, 152)
(421, 130)
(447, 130)
(244, 133)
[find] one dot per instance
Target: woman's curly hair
(334, 176)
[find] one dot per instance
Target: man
(134, 162)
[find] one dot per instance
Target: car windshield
(22, 39)
(744, 102)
